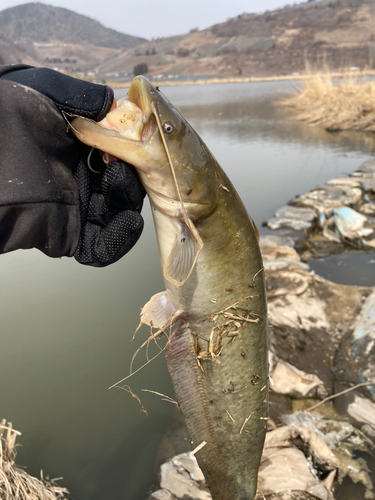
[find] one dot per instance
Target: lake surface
(66, 328)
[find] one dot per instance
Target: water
(66, 328)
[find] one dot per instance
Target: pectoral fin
(159, 311)
(184, 254)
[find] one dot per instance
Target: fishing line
(187, 220)
(89, 162)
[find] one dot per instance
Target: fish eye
(169, 128)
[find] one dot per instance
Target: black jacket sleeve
(38, 195)
(70, 94)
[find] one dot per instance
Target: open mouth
(132, 118)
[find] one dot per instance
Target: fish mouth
(133, 117)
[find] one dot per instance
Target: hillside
(59, 37)
(340, 33)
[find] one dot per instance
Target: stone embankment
(334, 217)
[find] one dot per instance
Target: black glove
(111, 201)
(49, 198)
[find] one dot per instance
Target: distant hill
(59, 37)
(340, 33)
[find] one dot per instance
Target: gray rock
(182, 477)
(270, 239)
(297, 225)
(363, 344)
(344, 181)
(289, 380)
(344, 439)
(367, 169)
(368, 185)
(302, 214)
(328, 191)
(325, 197)
(162, 495)
(367, 209)
(354, 227)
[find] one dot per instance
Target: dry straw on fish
(343, 104)
(16, 484)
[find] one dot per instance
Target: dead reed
(335, 105)
(16, 484)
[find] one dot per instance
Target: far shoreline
(250, 79)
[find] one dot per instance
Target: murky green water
(66, 328)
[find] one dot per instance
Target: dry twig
(363, 384)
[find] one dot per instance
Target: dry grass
(16, 484)
(341, 105)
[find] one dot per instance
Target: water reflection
(254, 116)
(66, 328)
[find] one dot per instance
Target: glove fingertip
(101, 246)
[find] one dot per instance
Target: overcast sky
(158, 18)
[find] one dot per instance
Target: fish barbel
(213, 272)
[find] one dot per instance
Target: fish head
(148, 132)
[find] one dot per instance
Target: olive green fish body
(226, 403)
(217, 356)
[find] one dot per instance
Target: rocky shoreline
(334, 217)
(317, 346)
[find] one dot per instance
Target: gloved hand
(111, 201)
(49, 197)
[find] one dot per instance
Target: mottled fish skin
(238, 385)
(213, 271)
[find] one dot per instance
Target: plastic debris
(296, 218)
(289, 380)
(344, 440)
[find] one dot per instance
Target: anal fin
(159, 312)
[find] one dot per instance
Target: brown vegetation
(336, 105)
(16, 484)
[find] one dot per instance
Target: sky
(159, 18)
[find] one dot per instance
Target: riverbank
(336, 105)
(251, 79)
(17, 484)
(334, 217)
